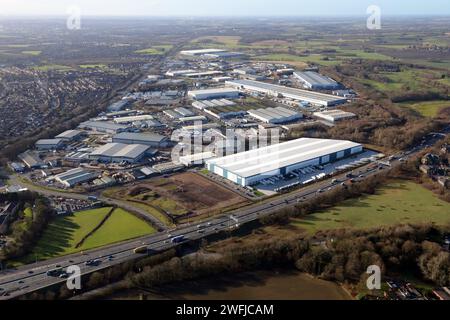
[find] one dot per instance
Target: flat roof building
(201, 105)
(200, 52)
(103, 126)
(334, 115)
(149, 139)
(119, 152)
(196, 158)
(250, 167)
(276, 115)
(178, 73)
(286, 92)
(70, 135)
(119, 105)
(315, 81)
(214, 93)
(49, 144)
(131, 119)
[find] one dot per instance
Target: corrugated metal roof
(120, 150)
(293, 93)
(315, 78)
(144, 137)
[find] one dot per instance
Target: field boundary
(107, 216)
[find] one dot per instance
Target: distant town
(225, 153)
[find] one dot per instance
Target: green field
(120, 226)
(408, 79)
(28, 213)
(155, 50)
(62, 235)
(354, 54)
(396, 203)
(32, 52)
(427, 109)
(93, 66)
(53, 67)
(314, 58)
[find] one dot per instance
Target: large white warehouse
(287, 92)
(250, 167)
(214, 93)
(119, 152)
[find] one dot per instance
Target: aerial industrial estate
(230, 149)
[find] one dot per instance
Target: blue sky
(223, 7)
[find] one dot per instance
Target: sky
(222, 7)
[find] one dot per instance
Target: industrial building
(334, 115)
(200, 52)
(277, 91)
(203, 74)
(119, 105)
(132, 119)
(215, 93)
(250, 167)
(178, 73)
(75, 176)
(70, 135)
(119, 152)
(276, 115)
(201, 105)
(196, 158)
(49, 144)
(31, 160)
(315, 81)
(103, 127)
(225, 112)
(193, 119)
(179, 113)
(149, 139)
(225, 55)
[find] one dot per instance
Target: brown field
(199, 194)
(180, 196)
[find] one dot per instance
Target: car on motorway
(142, 249)
(178, 239)
(54, 272)
(93, 263)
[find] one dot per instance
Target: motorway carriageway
(33, 277)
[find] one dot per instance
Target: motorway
(29, 278)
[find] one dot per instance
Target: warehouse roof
(74, 173)
(48, 142)
(120, 150)
(133, 118)
(293, 93)
(335, 114)
(144, 137)
(69, 134)
(315, 78)
(212, 91)
(201, 51)
(102, 125)
(274, 113)
(267, 159)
